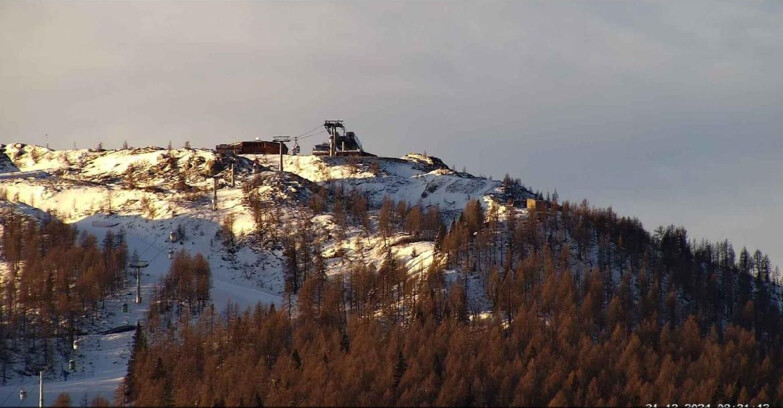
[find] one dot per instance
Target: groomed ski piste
(90, 190)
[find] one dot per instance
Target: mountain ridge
(404, 218)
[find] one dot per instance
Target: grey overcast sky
(668, 111)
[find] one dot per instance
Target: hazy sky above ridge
(668, 111)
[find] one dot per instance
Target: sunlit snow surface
(79, 185)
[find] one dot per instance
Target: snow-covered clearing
(96, 191)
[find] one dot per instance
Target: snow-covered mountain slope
(89, 189)
(150, 192)
(6, 165)
(414, 178)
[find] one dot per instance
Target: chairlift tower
(331, 127)
(233, 162)
(138, 266)
(280, 140)
(40, 388)
(23, 393)
(214, 191)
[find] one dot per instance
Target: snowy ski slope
(81, 186)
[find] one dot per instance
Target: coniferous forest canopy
(587, 308)
(57, 279)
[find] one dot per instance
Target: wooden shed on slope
(251, 147)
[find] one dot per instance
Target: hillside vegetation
(372, 281)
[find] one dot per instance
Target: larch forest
(583, 307)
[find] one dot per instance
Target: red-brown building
(251, 147)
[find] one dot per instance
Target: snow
(413, 178)
(101, 363)
(6, 165)
(82, 187)
(102, 359)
